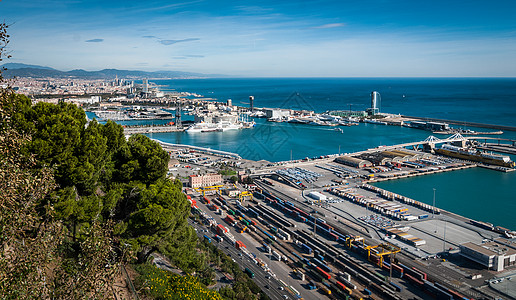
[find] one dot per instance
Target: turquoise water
(477, 193)
(484, 100)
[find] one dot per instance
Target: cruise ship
(213, 127)
(474, 155)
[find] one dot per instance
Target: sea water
(485, 195)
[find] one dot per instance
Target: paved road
(262, 278)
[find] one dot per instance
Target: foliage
(33, 264)
(141, 159)
(227, 171)
(243, 287)
(161, 284)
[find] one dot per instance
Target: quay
(464, 123)
(503, 148)
(362, 218)
(151, 129)
(170, 146)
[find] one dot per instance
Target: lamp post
(433, 212)
(444, 237)
(433, 207)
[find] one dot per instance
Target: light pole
(444, 237)
(433, 212)
(433, 207)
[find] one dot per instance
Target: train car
(344, 288)
(413, 280)
(414, 273)
(322, 265)
(299, 258)
(207, 238)
(307, 261)
(230, 220)
(456, 295)
(306, 249)
(333, 236)
(397, 270)
(325, 290)
(440, 294)
(397, 287)
(311, 285)
(323, 273)
(423, 274)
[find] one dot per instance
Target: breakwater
(465, 123)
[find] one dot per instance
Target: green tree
(141, 159)
(157, 219)
(33, 264)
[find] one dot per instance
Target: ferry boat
(474, 155)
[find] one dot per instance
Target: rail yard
(319, 228)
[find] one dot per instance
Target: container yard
(341, 237)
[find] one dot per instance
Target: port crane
(205, 189)
(384, 249)
(243, 195)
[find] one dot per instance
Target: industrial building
(349, 113)
(317, 196)
(277, 113)
(431, 126)
(376, 158)
(353, 162)
(495, 255)
(196, 181)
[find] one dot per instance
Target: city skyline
(287, 39)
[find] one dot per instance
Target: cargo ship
(475, 155)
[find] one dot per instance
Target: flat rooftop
(496, 247)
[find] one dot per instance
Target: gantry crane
(204, 189)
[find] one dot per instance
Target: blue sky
(367, 38)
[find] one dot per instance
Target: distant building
(494, 255)
(277, 113)
(431, 126)
(375, 104)
(317, 196)
(232, 192)
(251, 102)
(353, 162)
(349, 113)
(196, 181)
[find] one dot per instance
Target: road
(269, 285)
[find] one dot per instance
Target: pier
(464, 123)
(152, 129)
(169, 146)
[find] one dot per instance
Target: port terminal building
(495, 255)
(277, 113)
(353, 162)
(432, 126)
(196, 181)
